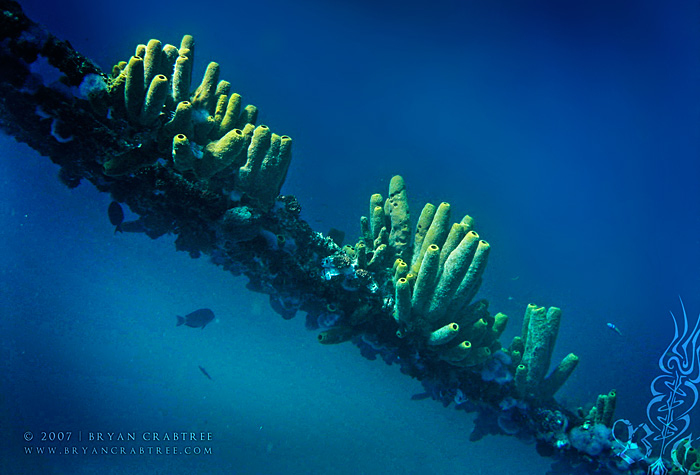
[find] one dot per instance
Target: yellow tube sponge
(468, 221)
(167, 61)
(155, 100)
(262, 137)
(248, 116)
(273, 170)
(457, 353)
(181, 123)
(221, 154)
(538, 347)
(471, 282)
(156, 83)
(182, 76)
(520, 378)
(376, 218)
(516, 350)
(558, 377)
(233, 111)
(118, 68)
(183, 157)
(500, 320)
(223, 88)
(117, 92)
(361, 255)
(446, 258)
(436, 233)
(203, 126)
(383, 238)
(366, 232)
(478, 332)
(609, 409)
(477, 357)
(229, 147)
(443, 335)
(378, 257)
(187, 46)
(400, 269)
(424, 220)
(539, 338)
(425, 281)
(453, 273)
(402, 307)
(604, 410)
(134, 89)
(219, 113)
(376, 221)
(151, 62)
(264, 172)
(205, 95)
(396, 208)
(457, 233)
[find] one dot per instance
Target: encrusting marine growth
(208, 132)
(435, 278)
(534, 351)
(190, 161)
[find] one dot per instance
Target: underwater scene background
(568, 130)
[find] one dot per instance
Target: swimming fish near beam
(204, 372)
(197, 319)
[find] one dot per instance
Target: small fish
(204, 372)
(614, 328)
(135, 226)
(420, 396)
(197, 319)
(116, 216)
(337, 236)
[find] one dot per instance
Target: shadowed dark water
(571, 132)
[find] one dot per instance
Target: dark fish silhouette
(197, 319)
(116, 215)
(337, 236)
(204, 372)
(136, 226)
(420, 396)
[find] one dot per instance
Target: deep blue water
(569, 130)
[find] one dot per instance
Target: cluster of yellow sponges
(603, 412)
(436, 272)
(435, 275)
(532, 354)
(207, 132)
